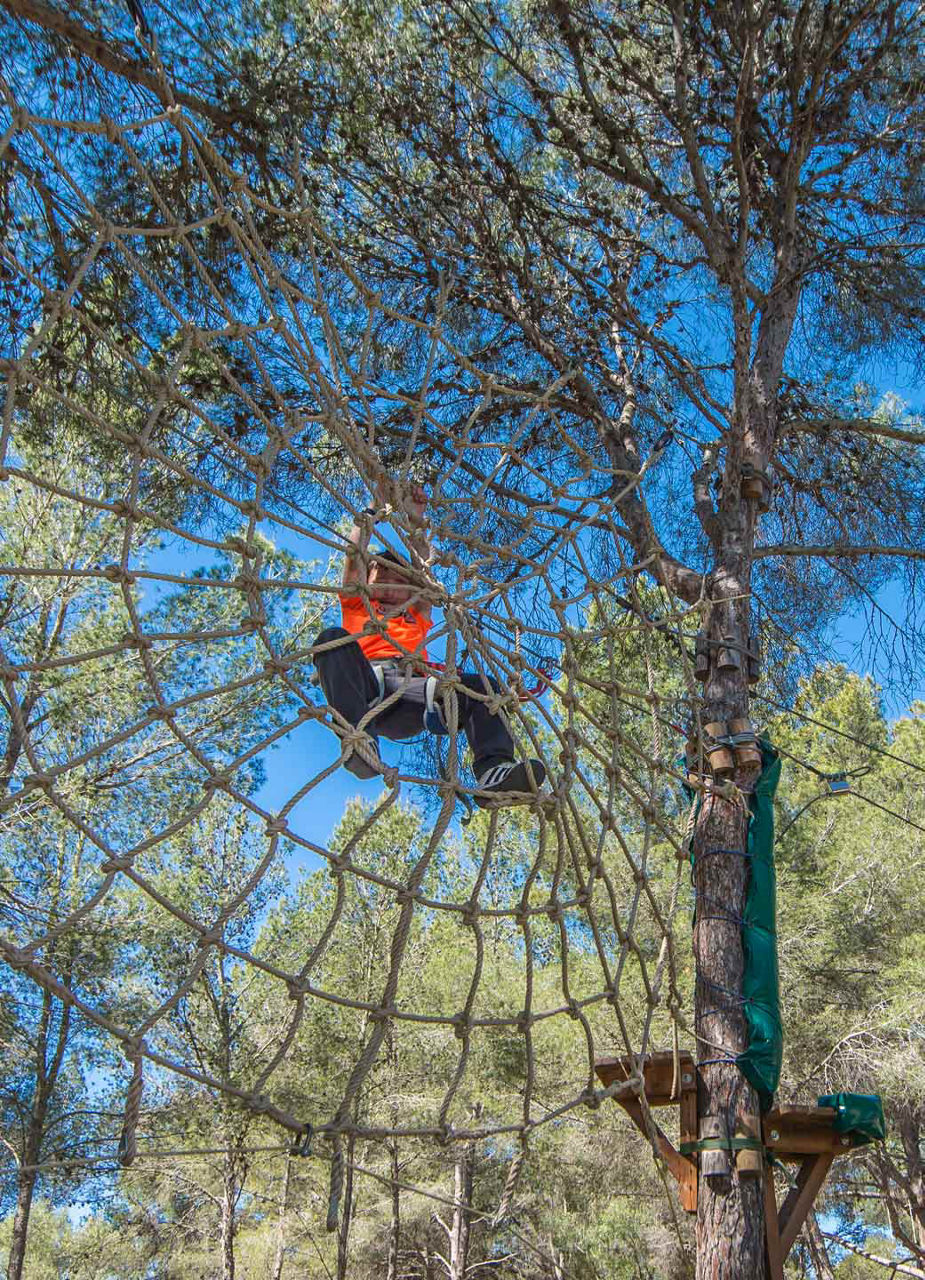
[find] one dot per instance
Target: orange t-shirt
(406, 631)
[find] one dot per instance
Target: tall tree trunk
(462, 1201)
(20, 1232)
(910, 1131)
(229, 1203)
(280, 1256)
(46, 1071)
(822, 1268)
(556, 1257)
(730, 1212)
(395, 1221)
(346, 1217)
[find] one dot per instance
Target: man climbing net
(202, 477)
(375, 672)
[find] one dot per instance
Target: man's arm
(355, 562)
(420, 542)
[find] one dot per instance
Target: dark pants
(349, 683)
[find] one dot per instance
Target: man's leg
(404, 718)
(498, 774)
(349, 685)
(489, 737)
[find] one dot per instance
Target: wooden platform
(794, 1132)
(658, 1072)
(803, 1134)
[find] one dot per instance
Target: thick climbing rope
(527, 550)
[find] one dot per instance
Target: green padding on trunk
(761, 1061)
(860, 1115)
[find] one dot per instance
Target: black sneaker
(364, 761)
(512, 782)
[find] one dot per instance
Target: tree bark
(730, 1209)
(462, 1200)
(19, 1236)
(280, 1255)
(395, 1222)
(817, 1251)
(343, 1234)
(910, 1131)
(46, 1079)
(229, 1202)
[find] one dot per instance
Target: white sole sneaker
(510, 783)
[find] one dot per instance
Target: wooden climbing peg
(749, 1160)
(756, 483)
(745, 744)
(716, 748)
(729, 657)
(714, 1161)
(702, 656)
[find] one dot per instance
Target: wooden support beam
(775, 1252)
(792, 1133)
(682, 1168)
(800, 1199)
(687, 1185)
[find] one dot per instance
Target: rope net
(203, 390)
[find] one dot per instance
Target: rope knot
(113, 132)
(122, 507)
(470, 914)
(110, 866)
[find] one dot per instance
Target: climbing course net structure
(204, 391)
